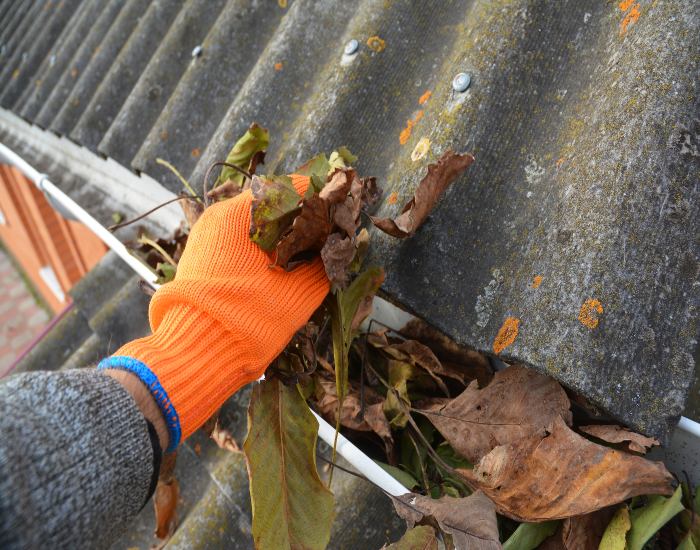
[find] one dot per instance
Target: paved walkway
(21, 318)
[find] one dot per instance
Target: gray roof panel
(155, 86)
(78, 64)
(124, 72)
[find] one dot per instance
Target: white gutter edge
(365, 465)
(44, 184)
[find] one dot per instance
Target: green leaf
(451, 457)
(274, 207)
(421, 537)
(687, 543)
(317, 166)
(291, 506)
(650, 518)
(254, 140)
(168, 272)
(529, 536)
(403, 477)
(615, 535)
(342, 158)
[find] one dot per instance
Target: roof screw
(351, 47)
(461, 82)
(197, 51)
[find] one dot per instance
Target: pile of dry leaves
(495, 458)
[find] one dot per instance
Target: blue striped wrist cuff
(151, 381)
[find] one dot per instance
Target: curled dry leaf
(309, 231)
(580, 532)
(224, 439)
(559, 474)
(351, 415)
(440, 175)
(227, 190)
(419, 355)
(517, 403)
(192, 210)
(337, 255)
(471, 520)
(165, 498)
(637, 443)
(469, 363)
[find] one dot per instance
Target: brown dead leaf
(224, 439)
(637, 443)
(192, 210)
(165, 498)
(517, 403)
(580, 532)
(337, 254)
(470, 363)
(338, 186)
(367, 301)
(257, 159)
(308, 233)
(350, 414)
(440, 175)
(422, 356)
(558, 474)
(370, 191)
(226, 190)
(471, 520)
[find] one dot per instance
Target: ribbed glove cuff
(188, 365)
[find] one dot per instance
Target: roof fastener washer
(351, 47)
(197, 51)
(461, 82)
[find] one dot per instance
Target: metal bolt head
(197, 51)
(461, 82)
(351, 47)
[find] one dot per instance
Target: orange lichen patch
(391, 199)
(421, 149)
(630, 18)
(375, 43)
(74, 72)
(282, 3)
(537, 281)
(560, 162)
(278, 66)
(406, 132)
(506, 334)
(588, 315)
(625, 4)
(425, 97)
(196, 152)
(164, 135)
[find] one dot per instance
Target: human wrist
(144, 401)
(191, 365)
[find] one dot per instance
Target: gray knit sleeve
(76, 460)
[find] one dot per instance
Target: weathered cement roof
(584, 117)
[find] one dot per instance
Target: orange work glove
(221, 321)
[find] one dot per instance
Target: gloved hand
(221, 321)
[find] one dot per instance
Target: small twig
(175, 171)
(161, 205)
(205, 185)
(155, 246)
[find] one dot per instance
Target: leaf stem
(150, 242)
(175, 171)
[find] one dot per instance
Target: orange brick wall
(37, 236)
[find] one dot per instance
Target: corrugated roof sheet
(583, 117)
